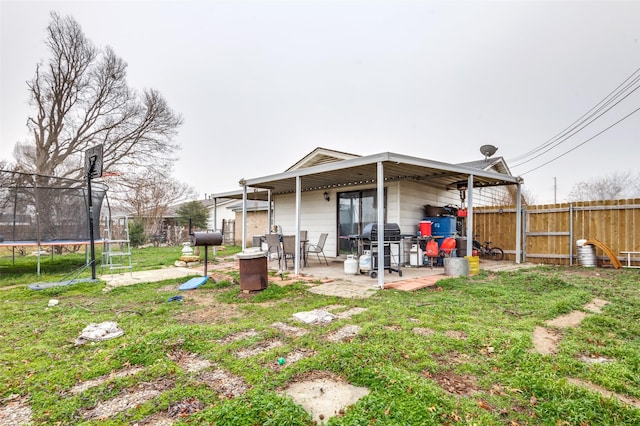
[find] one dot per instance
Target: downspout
(296, 256)
(470, 215)
(380, 265)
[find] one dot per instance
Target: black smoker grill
(392, 236)
(206, 239)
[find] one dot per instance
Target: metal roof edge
(400, 158)
(323, 168)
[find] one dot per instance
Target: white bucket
(365, 261)
(351, 265)
(587, 256)
(456, 266)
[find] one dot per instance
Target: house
(257, 220)
(220, 217)
(338, 193)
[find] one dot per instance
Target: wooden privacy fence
(550, 231)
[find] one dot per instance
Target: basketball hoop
(93, 162)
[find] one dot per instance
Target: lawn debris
(98, 332)
(317, 316)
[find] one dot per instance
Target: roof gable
(321, 156)
(489, 164)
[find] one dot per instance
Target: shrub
(137, 236)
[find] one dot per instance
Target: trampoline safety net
(45, 208)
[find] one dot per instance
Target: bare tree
(81, 99)
(609, 187)
(507, 195)
(147, 197)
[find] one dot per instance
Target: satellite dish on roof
(488, 150)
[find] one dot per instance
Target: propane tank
(351, 265)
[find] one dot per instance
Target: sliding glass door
(356, 209)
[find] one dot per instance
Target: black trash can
(253, 270)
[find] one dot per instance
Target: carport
(377, 169)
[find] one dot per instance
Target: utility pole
(555, 187)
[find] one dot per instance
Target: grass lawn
(461, 353)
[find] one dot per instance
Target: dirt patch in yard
(88, 384)
(606, 393)
(456, 384)
(176, 412)
(259, 348)
(291, 358)
(422, 331)
(343, 334)
(15, 411)
(596, 305)
(127, 399)
(289, 330)
(572, 319)
(240, 335)
(224, 383)
(456, 357)
(208, 311)
(455, 334)
(189, 362)
(545, 340)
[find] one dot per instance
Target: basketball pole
(91, 236)
(93, 168)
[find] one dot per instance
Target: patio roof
(363, 170)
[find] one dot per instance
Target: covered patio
(377, 171)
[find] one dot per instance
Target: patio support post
(470, 215)
(244, 214)
(380, 211)
(296, 262)
(215, 222)
(518, 222)
(269, 217)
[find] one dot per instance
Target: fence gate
(229, 231)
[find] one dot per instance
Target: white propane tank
(365, 261)
(351, 265)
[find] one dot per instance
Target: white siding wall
(405, 206)
(414, 196)
(316, 216)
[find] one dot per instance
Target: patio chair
(303, 247)
(289, 248)
(273, 246)
(318, 248)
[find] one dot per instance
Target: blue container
(443, 226)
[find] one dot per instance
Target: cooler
(443, 226)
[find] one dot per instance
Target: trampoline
(45, 211)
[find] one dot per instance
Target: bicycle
(494, 253)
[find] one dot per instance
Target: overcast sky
(260, 84)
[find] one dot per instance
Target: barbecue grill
(391, 236)
(391, 232)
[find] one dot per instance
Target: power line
(575, 131)
(579, 145)
(607, 100)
